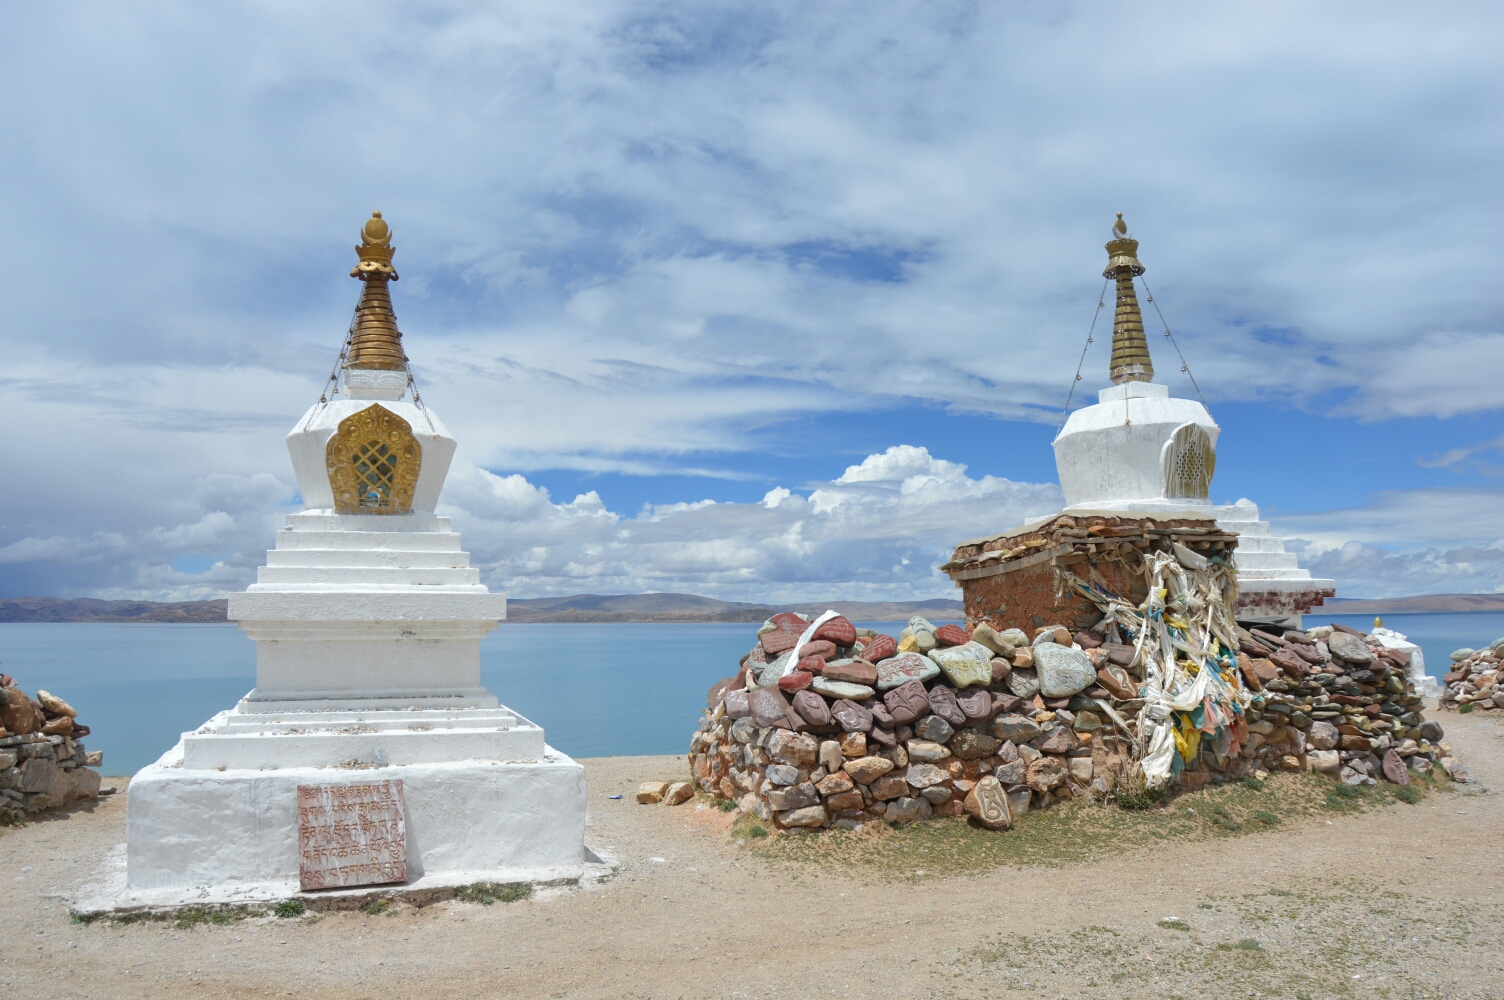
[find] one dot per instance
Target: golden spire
(376, 342)
(1130, 349)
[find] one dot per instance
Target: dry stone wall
(43, 761)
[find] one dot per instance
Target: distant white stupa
(1140, 451)
(368, 729)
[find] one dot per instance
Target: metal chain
(1101, 301)
(412, 386)
(1183, 365)
(339, 363)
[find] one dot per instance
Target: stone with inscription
(351, 835)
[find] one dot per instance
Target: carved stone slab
(351, 835)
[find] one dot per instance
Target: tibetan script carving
(351, 835)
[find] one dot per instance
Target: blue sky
(829, 267)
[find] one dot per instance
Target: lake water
(597, 690)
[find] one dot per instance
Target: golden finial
(376, 341)
(375, 250)
(1130, 349)
(1378, 622)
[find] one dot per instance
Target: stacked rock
(826, 725)
(43, 764)
(1475, 681)
(1337, 701)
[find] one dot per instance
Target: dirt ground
(1378, 898)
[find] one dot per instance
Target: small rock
(835, 784)
(812, 708)
(1431, 731)
(925, 775)
(987, 804)
(784, 774)
(842, 689)
(880, 648)
(907, 702)
(936, 795)
(838, 630)
(54, 705)
(856, 672)
(853, 745)
(951, 635)
(968, 744)
(1455, 769)
(736, 705)
(1023, 681)
(934, 729)
(1394, 768)
(1062, 670)
(831, 757)
(798, 796)
(808, 816)
(650, 792)
(1322, 735)
(1080, 769)
(798, 750)
(1014, 728)
(1325, 761)
(993, 640)
(796, 681)
(1087, 722)
(1347, 647)
(1045, 774)
(943, 703)
(926, 752)
(1117, 682)
(1058, 740)
(965, 665)
(907, 810)
(865, 770)
(889, 787)
(678, 793)
(1013, 773)
(975, 703)
(851, 717)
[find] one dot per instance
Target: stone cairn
(826, 725)
(1474, 682)
(43, 764)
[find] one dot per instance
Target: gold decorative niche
(1189, 462)
(373, 462)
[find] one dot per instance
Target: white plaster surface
(1109, 455)
(375, 383)
(306, 443)
(220, 828)
(1270, 579)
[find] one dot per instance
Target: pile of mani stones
(1474, 682)
(43, 763)
(854, 726)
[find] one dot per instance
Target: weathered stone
(925, 775)
(965, 665)
(1062, 670)
(851, 717)
(678, 793)
(934, 729)
(1007, 704)
(796, 681)
(879, 648)
(1058, 740)
(993, 640)
(650, 792)
(797, 796)
(905, 667)
(1394, 768)
(1014, 728)
(1087, 722)
(1023, 681)
(835, 784)
(784, 774)
(1455, 769)
(17, 716)
(1045, 774)
(842, 689)
(1431, 731)
(736, 705)
(987, 804)
(1322, 735)
(968, 744)
(812, 708)
(1120, 654)
(60, 726)
(769, 707)
(943, 703)
(975, 703)
(853, 744)
(1007, 753)
(830, 756)
(889, 787)
(1325, 761)
(1013, 773)
(798, 750)
(1000, 670)
(936, 795)
(926, 752)
(53, 705)
(1349, 648)
(808, 816)
(838, 630)
(851, 672)
(1355, 742)
(907, 702)
(845, 800)
(1023, 658)
(865, 770)
(1117, 682)
(1080, 769)
(907, 810)
(951, 635)
(880, 735)
(776, 642)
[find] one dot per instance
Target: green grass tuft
(1174, 924)
(290, 908)
(375, 906)
(486, 893)
(1247, 944)
(1407, 794)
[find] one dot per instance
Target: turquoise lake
(597, 690)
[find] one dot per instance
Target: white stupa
(367, 619)
(1139, 451)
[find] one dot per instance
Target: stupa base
(218, 831)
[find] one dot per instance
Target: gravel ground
(1397, 900)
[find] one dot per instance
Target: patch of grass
(1280, 892)
(1464, 709)
(290, 908)
(1253, 783)
(725, 805)
(1343, 798)
(756, 831)
(1174, 924)
(372, 907)
(486, 893)
(1204, 906)
(1408, 794)
(196, 915)
(1266, 817)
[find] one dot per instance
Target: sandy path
(1403, 901)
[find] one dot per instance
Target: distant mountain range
(667, 608)
(577, 608)
(1424, 604)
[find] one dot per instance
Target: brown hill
(1424, 604)
(56, 609)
